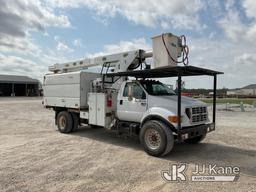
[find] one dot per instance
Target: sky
(221, 34)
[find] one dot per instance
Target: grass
(231, 100)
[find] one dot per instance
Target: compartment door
(92, 102)
(101, 109)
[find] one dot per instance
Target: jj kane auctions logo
(201, 173)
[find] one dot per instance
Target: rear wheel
(156, 138)
(195, 140)
(64, 122)
(75, 118)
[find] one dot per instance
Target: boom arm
(167, 49)
(120, 61)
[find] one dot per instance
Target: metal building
(13, 85)
(249, 90)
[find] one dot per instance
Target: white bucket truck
(139, 106)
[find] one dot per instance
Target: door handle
(143, 103)
(121, 102)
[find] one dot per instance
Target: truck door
(132, 103)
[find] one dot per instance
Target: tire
(75, 121)
(156, 138)
(170, 139)
(195, 140)
(64, 122)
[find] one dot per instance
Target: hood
(171, 101)
(186, 101)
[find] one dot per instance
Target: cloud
(19, 45)
(233, 58)
(56, 38)
(33, 66)
(245, 61)
(182, 14)
(250, 7)
(17, 65)
(77, 43)
(233, 24)
(19, 17)
(19, 52)
(122, 46)
(62, 47)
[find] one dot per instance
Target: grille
(199, 114)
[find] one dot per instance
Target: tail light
(109, 100)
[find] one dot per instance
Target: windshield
(156, 88)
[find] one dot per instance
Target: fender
(159, 118)
(157, 113)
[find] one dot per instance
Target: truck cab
(139, 99)
(152, 104)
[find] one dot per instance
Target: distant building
(13, 85)
(249, 90)
(231, 92)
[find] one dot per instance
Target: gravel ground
(34, 156)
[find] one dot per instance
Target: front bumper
(191, 132)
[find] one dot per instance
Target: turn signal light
(173, 118)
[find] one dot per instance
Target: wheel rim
(62, 122)
(152, 139)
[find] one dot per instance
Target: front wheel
(156, 138)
